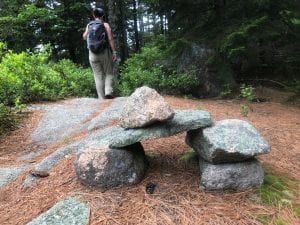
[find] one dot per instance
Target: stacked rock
(227, 153)
(115, 157)
(145, 107)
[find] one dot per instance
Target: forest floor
(177, 198)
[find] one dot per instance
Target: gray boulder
(228, 141)
(144, 107)
(231, 176)
(214, 75)
(101, 166)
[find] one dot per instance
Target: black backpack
(97, 38)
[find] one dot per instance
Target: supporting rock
(231, 176)
(101, 166)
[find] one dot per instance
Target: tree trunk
(219, 7)
(161, 20)
(117, 22)
(136, 32)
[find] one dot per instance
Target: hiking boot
(109, 96)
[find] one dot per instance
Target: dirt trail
(177, 198)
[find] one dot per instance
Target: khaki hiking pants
(102, 66)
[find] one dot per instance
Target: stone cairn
(226, 149)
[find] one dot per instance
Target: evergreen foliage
(29, 76)
(251, 39)
(32, 77)
(146, 68)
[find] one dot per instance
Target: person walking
(102, 53)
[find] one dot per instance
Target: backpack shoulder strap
(94, 22)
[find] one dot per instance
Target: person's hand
(114, 57)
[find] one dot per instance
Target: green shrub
(8, 119)
(141, 69)
(78, 81)
(26, 75)
(31, 77)
(147, 69)
(244, 110)
(247, 92)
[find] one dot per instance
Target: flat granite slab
(184, 120)
(64, 119)
(8, 174)
(69, 211)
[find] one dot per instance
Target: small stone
(150, 188)
(38, 173)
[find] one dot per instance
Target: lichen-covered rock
(101, 166)
(144, 107)
(69, 211)
(228, 141)
(231, 176)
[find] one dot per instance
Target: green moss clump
(280, 222)
(189, 156)
(277, 190)
(296, 211)
(152, 155)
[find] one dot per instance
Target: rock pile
(227, 153)
(115, 157)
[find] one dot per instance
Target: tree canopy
(253, 37)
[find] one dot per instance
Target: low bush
(147, 68)
(30, 76)
(8, 119)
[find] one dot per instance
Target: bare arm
(110, 37)
(86, 32)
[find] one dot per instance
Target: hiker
(102, 53)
